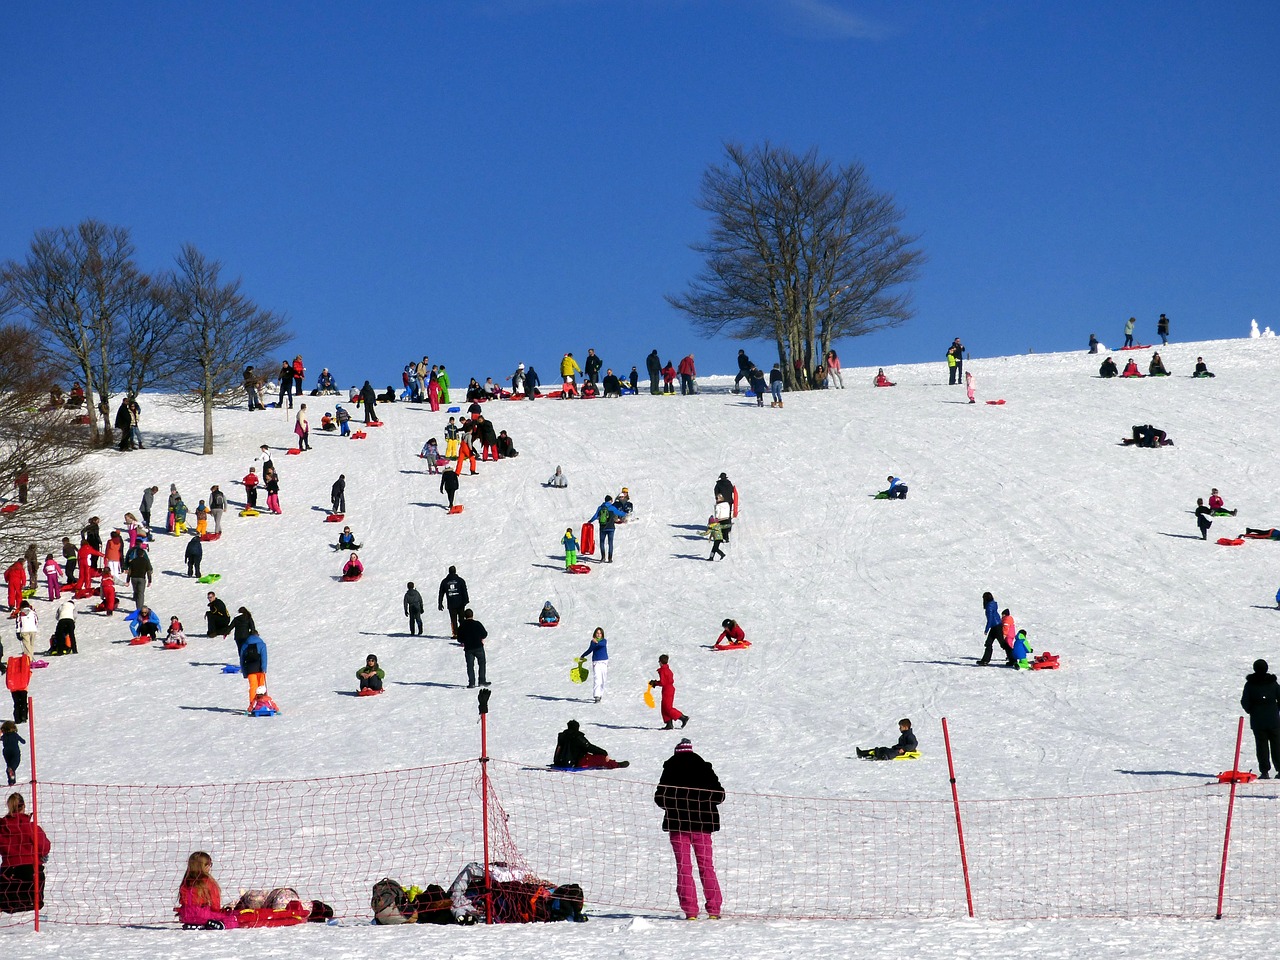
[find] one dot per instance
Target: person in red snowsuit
(16, 577)
(668, 684)
(84, 585)
(732, 633)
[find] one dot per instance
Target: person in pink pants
(689, 792)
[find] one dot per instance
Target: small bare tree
(219, 331)
(40, 449)
(74, 287)
(800, 253)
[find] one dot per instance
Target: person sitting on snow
(1156, 367)
(575, 752)
(549, 615)
(327, 423)
(346, 540)
(370, 675)
(623, 502)
(325, 384)
(1217, 505)
(883, 381)
(731, 634)
(353, 568)
(506, 446)
(1108, 369)
(1201, 370)
(175, 637)
(558, 479)
(589, 389)
(1131, 369)
(907, 743)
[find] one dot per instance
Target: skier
(338, 494)
(667, 682)
(689, 793)
(598, 650)
(413, 608)
(453, 589)
(1261, 701)
(907, 743)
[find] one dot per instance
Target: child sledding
(548, 616)
(370, 677)
(353, 569)
(897, 490)
(907, 747)
(731, 636)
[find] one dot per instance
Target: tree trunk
(208, 419)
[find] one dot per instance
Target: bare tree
(148, 349)
(219, 331)
(74, 287)
(40, 449)
(800, 252)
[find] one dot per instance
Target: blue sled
(230, 668)
(262, 712)
(454, 410)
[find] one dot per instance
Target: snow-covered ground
(861, 611)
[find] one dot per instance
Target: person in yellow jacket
(568, 370)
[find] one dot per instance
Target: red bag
(587, 542)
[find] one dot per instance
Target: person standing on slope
(667, 682)
(453, 590)
(654, 366)
(338, 495)
(472, 634)
(1162, 328)
(413, 608)
(690, 794)
(598, 650)
(1202, 518)
(995, 631)
(1128, 331)
(688, 377)
(744, 370)
(606, 516)
(568, 370)
(1261, 701)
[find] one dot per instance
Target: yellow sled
(648, 698)
(909, 755)
(579, 673)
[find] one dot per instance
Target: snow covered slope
(860, 611)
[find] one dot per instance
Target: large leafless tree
(218, 332)
(75, 286)
(801, 252)
(40, 444)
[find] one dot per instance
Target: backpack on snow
(390, 903)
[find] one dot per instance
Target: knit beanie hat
(684, 746)
(1259, 666)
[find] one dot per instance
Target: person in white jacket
(64, 632)
(28, 624)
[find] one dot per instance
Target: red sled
(359, 435)
(995, 403)
(175, 646)
(1138, 346)
(208, 537)
(139, 641)
(9, 508)
(577, 568)
(735, 503)
(293, 453)
(1231, 542)
(350, 579)
(290, 916)
(456, 508)
(738, 645)
(543, 623)
(334, 518)
(1237, 776)
(1045, 661)
(368, 692)
(374, 423)
(587, 542)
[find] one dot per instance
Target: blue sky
(503, 180)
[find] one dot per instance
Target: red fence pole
(483, 700)
(955, 799)
(1231, 805)
(35, 810)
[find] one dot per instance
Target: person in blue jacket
(995, 632)
(253, 665)
(599, 653)
(606, 516)
(897, 489)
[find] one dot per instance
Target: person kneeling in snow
(353, 569)
(907, 743)
(897, 490)
(732, 633)
(575, 752)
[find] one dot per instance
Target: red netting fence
(119, 851)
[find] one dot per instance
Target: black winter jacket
(571, 747)
(689, 792)
(471, 634)
(454, 589)
(1261, 701)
